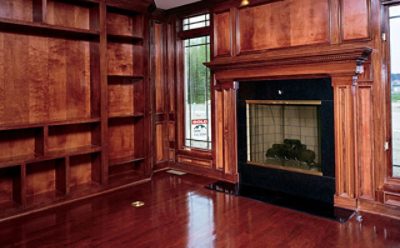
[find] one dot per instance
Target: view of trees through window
(197, 87)
(394, 15)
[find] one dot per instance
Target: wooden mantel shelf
(359, 55)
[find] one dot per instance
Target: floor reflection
(180, 212)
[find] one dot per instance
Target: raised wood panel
(161, 154)
(29, 93)
(171, 132)
(16, 9)
(365, 142)
(119, 24)
(125, 59)
(219, 130)
(355, 19)
(230, 141)
(226, 141)
(171, 67)
(171, 154)
(67, 15)
(189, 160)
(344, 139)
(120, 99)
(222, 34)
(392, 199)
(284, 24)
(159, 68)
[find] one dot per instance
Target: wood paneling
(17, 9)
(68, 137)
(344, 138)
(160, 143)
(135, 6)
(226, 123)
(125, 59)
(355, 19)
(222, 34)
(159, 68)
(55, 96)
(32, 95)
(67, 15)
(121, 138)
(283, 24)
(128, 25)
(41, 178)
(15, 144)
(120, 99)
(366, 142)
(191, 161)
(80, 170)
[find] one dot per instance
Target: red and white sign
(197, 122)
(199, 129)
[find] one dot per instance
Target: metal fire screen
(284, 135)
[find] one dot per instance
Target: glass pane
(284, 136)
(197, 93)
(196, 22)
(394, 11)
(395, 85)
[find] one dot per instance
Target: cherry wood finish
(298, 39)
(222, 35)
(201, 217)
(74, 101)
(283, 24)
(354, 11)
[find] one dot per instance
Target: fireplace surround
(286, 137)
(350, 74)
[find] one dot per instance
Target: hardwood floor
(180, 212)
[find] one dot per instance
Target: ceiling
(170, 4)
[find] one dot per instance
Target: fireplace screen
(284, 135)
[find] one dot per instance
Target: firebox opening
(284, 135)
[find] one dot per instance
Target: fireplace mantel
(351, 77)
(357, 55)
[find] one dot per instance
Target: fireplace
(286, 137)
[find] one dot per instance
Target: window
(197, 85)
(394, 25)
(194, 22)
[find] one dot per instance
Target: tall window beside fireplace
(197, 82)
(394, 41)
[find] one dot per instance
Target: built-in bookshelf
(57, 113)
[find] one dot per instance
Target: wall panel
(284, 24)
(355, 19)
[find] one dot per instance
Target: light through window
(394, 21)
(197, 86)
(194, 22)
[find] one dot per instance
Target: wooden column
(345, 152)
(226, 129)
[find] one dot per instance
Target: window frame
(183, 35)
(390, 180)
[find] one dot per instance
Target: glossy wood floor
(180, 212)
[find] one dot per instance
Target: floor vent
(176, 172)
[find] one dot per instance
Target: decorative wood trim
(360, 55)
(378, 208)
